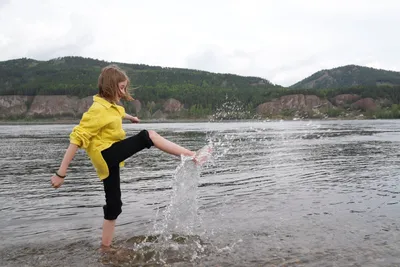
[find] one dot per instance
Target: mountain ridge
(349, 76)
(337, 77)
(30, 87)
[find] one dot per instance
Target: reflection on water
(276, 194)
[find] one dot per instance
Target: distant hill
(349, 76)
(63, 87)
(71, 75)
(77, 76)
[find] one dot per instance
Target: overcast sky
(283, 41)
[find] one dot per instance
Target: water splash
(181, 215)
(231, 110)
(224, 142)
(176, 236)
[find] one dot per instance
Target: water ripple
(303, 193)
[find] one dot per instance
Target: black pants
(113, 155)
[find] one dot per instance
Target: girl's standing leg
(119, 152)
(113, 204)
(108, 233)
(113, 155)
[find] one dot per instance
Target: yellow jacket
(99, 128)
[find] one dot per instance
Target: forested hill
(77, 76)
(349, 76)
(62, 86)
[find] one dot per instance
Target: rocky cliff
(343, 99)
(49, 106)
(292, 102)
(43, 106)
(312, 104)
(73, 107)
(46, 106)
(14, 105)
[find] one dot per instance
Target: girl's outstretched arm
(131, 118)
(56, 179)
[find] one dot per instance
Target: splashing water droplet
(231, 110)
(181, 214)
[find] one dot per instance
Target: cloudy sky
(283, 41)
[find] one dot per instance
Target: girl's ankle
(105, 248)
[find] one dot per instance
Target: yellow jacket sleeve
(91, 123)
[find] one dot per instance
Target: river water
(293, 193)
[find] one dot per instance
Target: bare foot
(106, 249)
(203, 155)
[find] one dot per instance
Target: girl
(100, 133)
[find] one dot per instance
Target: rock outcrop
(58, 105)
(292, 102)
(43, 106)
(343, 99)
(366, 104)
(47, 106)
(53, 106)
(172, 105)
(83, 105)
(14, 105)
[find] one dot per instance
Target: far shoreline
(76, 121)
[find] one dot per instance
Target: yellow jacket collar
(107, 104)
(102, 101)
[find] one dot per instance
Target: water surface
(301, 193)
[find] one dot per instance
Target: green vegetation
(392, 112)
(202, 93)
(78, 76)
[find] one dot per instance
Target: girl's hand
(134, 119)
(56, 181)
(131, 118)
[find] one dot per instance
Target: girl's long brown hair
(108, 81)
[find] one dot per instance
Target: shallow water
(301, 193)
